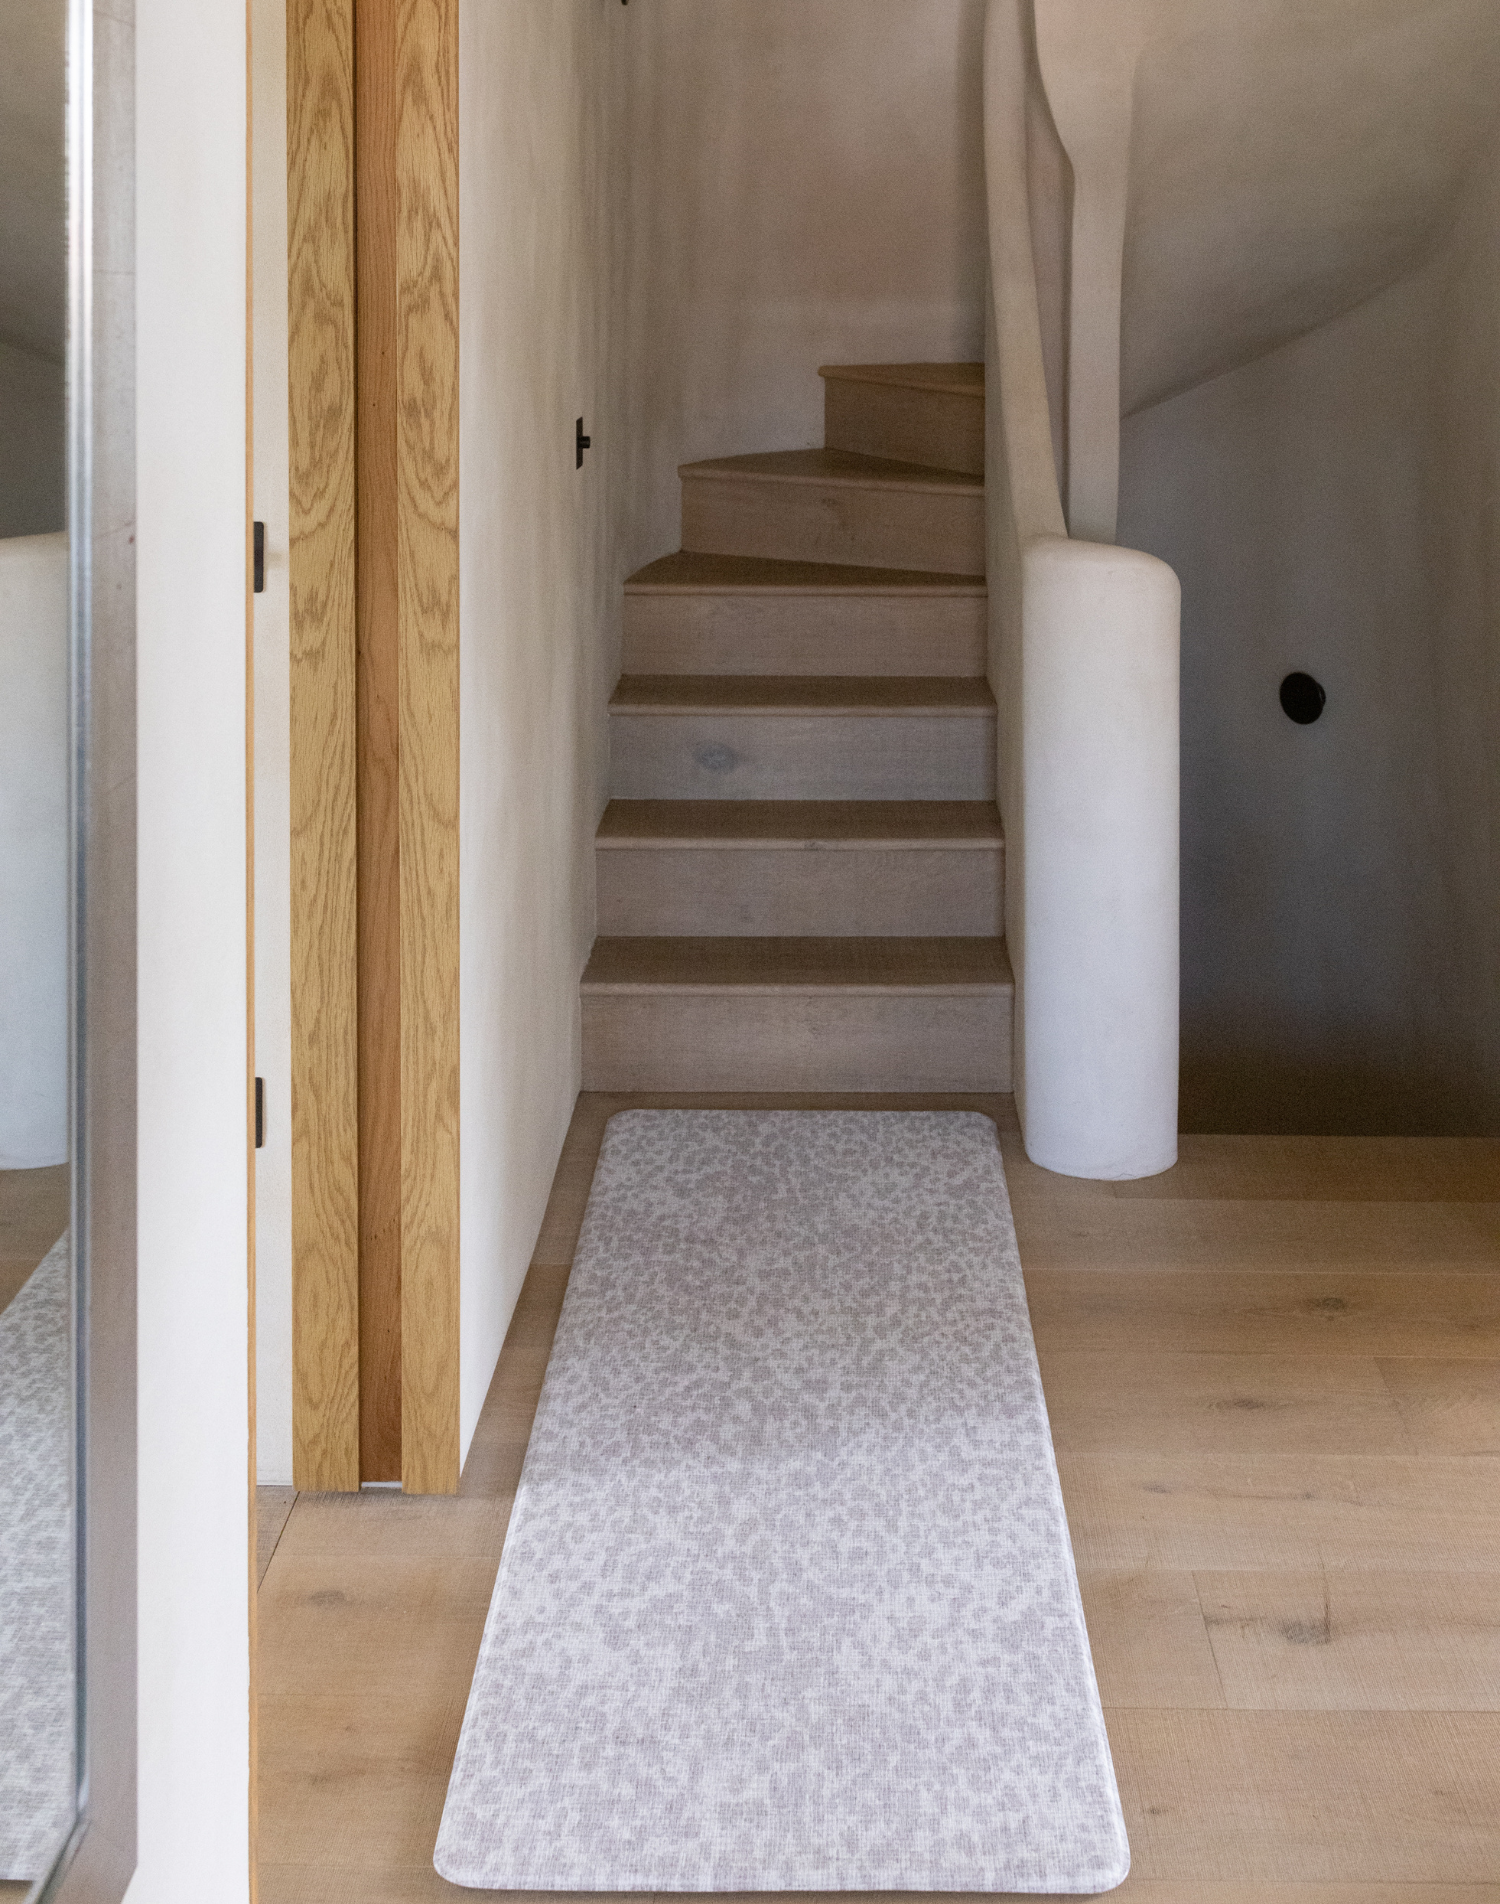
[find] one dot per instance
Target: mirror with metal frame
(67, 936)
(37, 1605)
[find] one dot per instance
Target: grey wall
(33, 268)
(1288, 160)
(1334, 506)
(33, 443)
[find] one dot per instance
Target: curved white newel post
(1085, 648)
(1100, 791)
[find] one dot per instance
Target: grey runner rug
(36, 1569)
(787, 1601)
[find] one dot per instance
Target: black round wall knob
(1302, 699)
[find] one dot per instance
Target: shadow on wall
(33, 269)
(33, 430)
(1232, 1086)
(1333, 505)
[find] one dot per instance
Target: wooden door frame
(251, 1132)
(367, 829)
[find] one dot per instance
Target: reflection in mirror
(36, 1304)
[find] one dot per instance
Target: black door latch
(582, 442)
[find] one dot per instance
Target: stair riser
(745, 892)
(835, 522)
(803, 634)
(797, 1041)
(937, 428)
(802, 757)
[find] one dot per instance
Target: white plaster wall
(273, 819)
(671, 214)
(194, 1387)
(33, 432)
(1288, 160)
(806, 186)
(33, 851)
(539, 605)
(1333, 507)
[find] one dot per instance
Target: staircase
(800, 872)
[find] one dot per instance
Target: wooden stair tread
(845, 468)
(802, 694)
(933, 967)
(690, 573)
(955, 380)
(832, 825)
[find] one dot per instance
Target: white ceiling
(33, 197)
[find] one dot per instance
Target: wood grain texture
(946, 754)
(879, 968)
(1114, 1401)
(919, 413)
(958, 380)
(325, 1097)
(33, 1215)
(1108, 1234)
(781, 868)
(252, 1306)
(797, 1014)
(835, 633)
(808, 1024)
(1297, 1797)
(1298, 1654)
(878, 892)
(378, 665)
(1336, 1640)
(820, 470)
(1323, 1169)
(797, 1041)
(297, 1884)
(827, 825)
(1200, 1513)
(828, 506)
(686, 574)
(427, 555)
(273, 1506)
(1269, 1312)
(771, 695)
(1150, 1644)
(1447, 1407)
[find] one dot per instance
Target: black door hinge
(582, 442)
(260, 558)
(260, 1113)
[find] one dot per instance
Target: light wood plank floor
(33, 1214)
(1274, 1380)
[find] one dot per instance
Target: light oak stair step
(768, 737)
(797, 1014)
(916, 413)
(779, 868)
(692, 613)
(834, 506)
